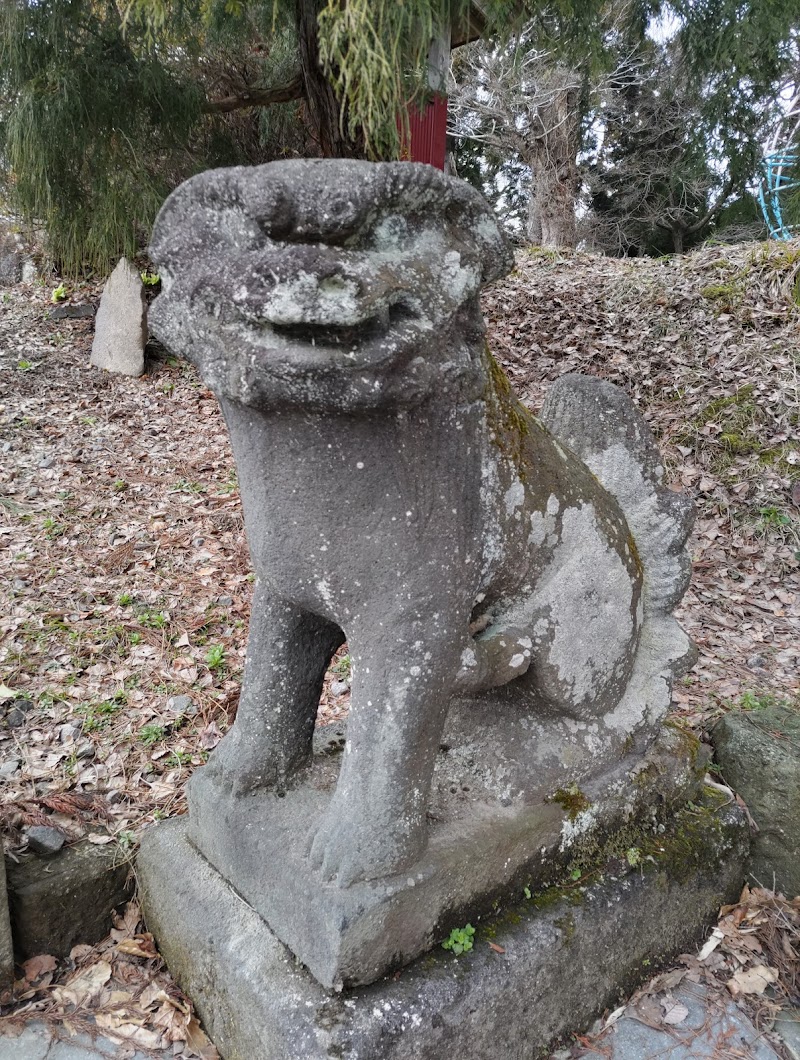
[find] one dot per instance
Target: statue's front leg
(288, 651)
(403, 678)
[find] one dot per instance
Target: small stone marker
(15, 262)
(60, 899)
(759, 754)
(120, 333)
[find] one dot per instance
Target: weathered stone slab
(759, 754)
(120, 332)
(560, 959)
(57, 901)
(713, 1029)
(353, 935)
(6, 945)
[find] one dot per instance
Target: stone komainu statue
(493, 573)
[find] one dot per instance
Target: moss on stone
(509, 420)
(572, 800)
(681, 849)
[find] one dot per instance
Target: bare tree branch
(257, 97)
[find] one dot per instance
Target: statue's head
(329, 284)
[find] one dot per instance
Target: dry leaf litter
(126, 585)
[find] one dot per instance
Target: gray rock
(759, 754)
(787, 1025)
(86, 750)
(72, 312)
(57, 902)
(338, 688)
(28, 1042)
(224, 601)
(517, 610)
(32, 492)
(9, 768)
(47, 462)
(757, 662)
(120, 333)
(69, 732)
(181, 705)
(45, 840)
(40, 1041)
(562, 962)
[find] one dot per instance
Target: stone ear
(475, 223)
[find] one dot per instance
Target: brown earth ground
(124, 573)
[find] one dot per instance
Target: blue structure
(775, 181)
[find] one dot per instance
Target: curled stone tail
(600, 425)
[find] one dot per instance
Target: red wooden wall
(429, 132)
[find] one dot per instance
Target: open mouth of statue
(394, 318)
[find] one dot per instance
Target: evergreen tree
(101, 113)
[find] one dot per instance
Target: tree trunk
(533, 226)
(553, 157)
(324, 110)
(677, 240)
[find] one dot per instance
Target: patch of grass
(178, 758)
(98, 715)
(125, 599)
(215, 658)
(342, 668)
(53, 528)
(774, 518)
(151, 734)
(185, 486)
(151, 619)
(761, 701)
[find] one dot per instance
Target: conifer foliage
(92, 123)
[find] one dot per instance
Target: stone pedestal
(540, 967)
(480, 848)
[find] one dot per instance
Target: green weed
(460, 940)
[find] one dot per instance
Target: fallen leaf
(675, 1012)
(36, 966)
(141, 947)
(197, 1040)
(711, 944)
(122, 1029)
(496, 948)
(618, 1013)
(85, 985)
(752, 980)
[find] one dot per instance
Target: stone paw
(348, 852)
(239, 767)
(494, 659)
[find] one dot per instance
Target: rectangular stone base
(478, 851)
(540, 968)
